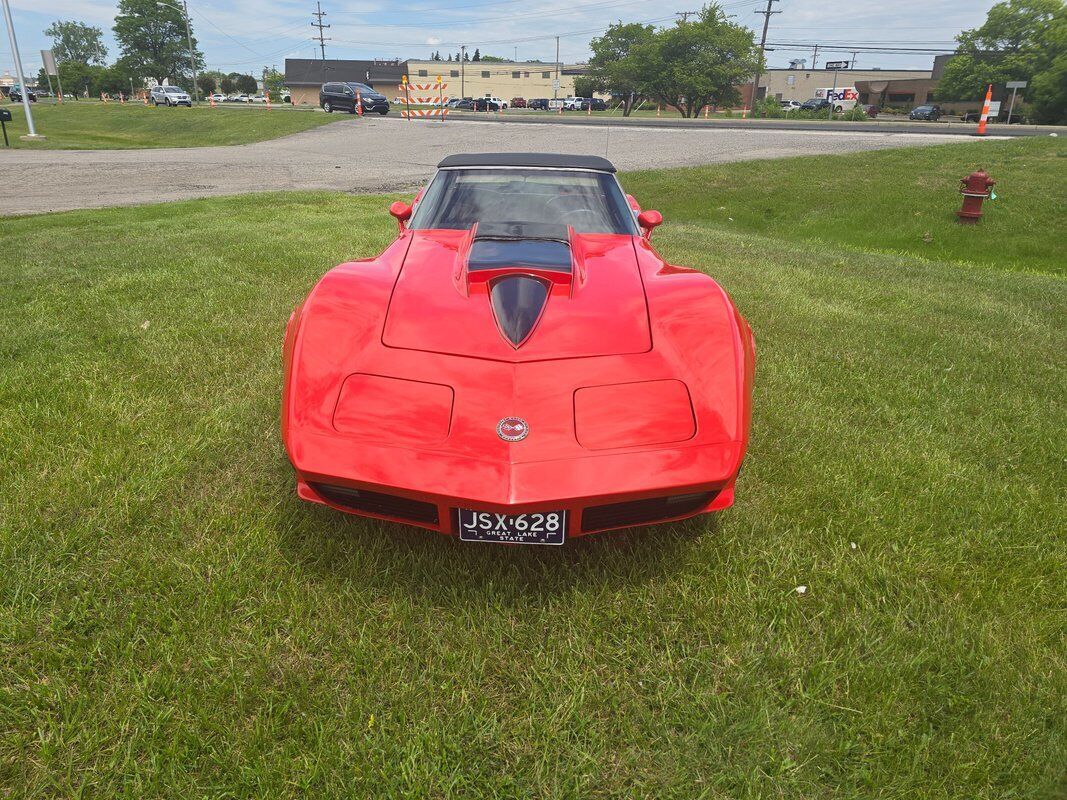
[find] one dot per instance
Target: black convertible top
(552, 160)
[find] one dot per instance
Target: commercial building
(526, 79)
(877, 86)
(508, 79)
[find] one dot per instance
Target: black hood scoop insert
(518, 302)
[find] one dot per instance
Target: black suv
(815, 104)
(593, 104)
(342, 97)
(540, 103)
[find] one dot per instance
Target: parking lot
(381, 154)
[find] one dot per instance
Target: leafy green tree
(697, 63)
(152, 40)
(477, 55)
(585, 86)
(227, 85)
(273, 83)
(76, 41)
(207, 83)
(1048, 89)
(1020, 40)
(245, 84)
(613, 67)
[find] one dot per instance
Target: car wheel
(327, 107)
(838, 109)
(383, 111)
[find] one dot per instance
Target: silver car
(170, 96)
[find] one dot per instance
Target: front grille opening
(385, 505)
(643, 512)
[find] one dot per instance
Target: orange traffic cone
(359, 103)
(145, 97)
(985, 111)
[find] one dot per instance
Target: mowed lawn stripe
(174, 622)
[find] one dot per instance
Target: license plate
(543, 527)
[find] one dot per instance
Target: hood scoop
(518, 301)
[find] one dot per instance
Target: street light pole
(462, 71)
(18, 73)
(189, 40)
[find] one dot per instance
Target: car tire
(327, 107)
(838, 109)
(383, 111)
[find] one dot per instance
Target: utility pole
(815, 57)
(32, 135)
(762, 47)
(685, 15)
(462, 71)
(555, 83)
(852, 63)
(318, 24)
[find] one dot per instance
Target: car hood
(470, 294)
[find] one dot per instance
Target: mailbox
(5, 115)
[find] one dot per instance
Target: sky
(246, 35)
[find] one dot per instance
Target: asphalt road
(381, 154)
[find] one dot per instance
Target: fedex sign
(833, 95)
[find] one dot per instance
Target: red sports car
(519, 365)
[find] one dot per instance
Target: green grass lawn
(174, 622)
(902, 200)
(86, 125)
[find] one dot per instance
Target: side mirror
(649, 221)
(402, 212)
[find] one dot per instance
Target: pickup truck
(573, 103)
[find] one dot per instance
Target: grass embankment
(85, 125)
(174, 622)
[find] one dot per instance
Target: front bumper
(599, 492)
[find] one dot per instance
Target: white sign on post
(49, 61)
(1016, 84)
(994, 108)
(555, 83)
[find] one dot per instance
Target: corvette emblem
(512, 429)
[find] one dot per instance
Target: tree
(1020, 40)
(152, 39)
(1048, 89)
(612, 69)
(477, 55)
(76, 41)
(246, 84)
(208, 83)
(273, 83)
(697, 63)
(584, 86)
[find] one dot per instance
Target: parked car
(218, 98)
(593, 104)
(927, 113)
(342, 97)
(549, 374)
(518, 102)
(257, 98)
(500, 104)
(16, 94)
(540, 103)
(572, 103)
(486, 104)
(790, 105)
(465, 104)
(239, 98)
(172, 96)
(815, 104)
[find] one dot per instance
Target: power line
(318, 24)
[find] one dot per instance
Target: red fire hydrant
(975, 188)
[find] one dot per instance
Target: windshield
(362, 88)
(524, 199)
(172, 89)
